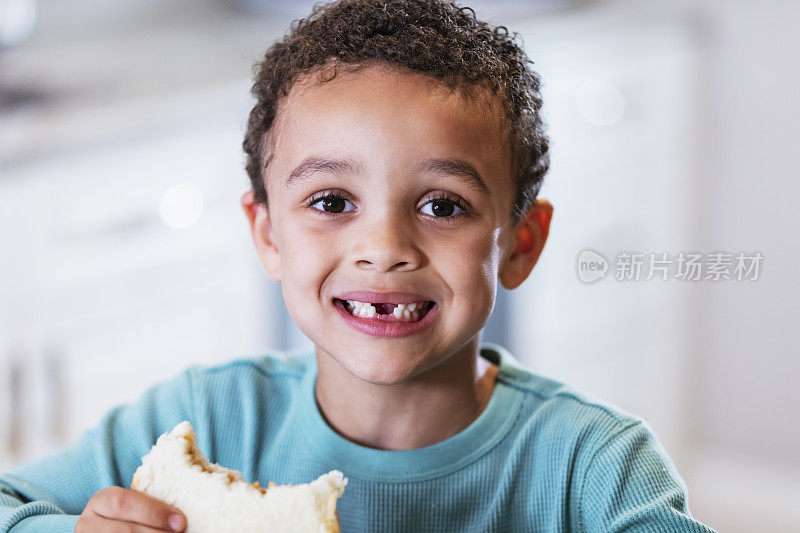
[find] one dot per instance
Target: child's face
(388, 228)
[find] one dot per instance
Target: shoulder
(596, 444)
(558, 397)
(616, 474)
(553, 405)
(564, 426)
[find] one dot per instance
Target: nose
(386, 245)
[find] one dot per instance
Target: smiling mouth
(389, 312)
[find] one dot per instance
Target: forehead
(392, 119)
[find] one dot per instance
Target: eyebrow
(458, 168)
(316, 164)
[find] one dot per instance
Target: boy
(395, 151)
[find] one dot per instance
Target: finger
(132, 506)
(107, 525)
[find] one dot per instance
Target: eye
(330, 203)
(442, 207)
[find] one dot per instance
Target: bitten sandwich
(215, 499)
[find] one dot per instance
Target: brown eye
(331, 204)
(442, 208)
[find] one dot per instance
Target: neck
(418, 412)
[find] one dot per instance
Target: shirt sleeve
(631, 485)
(50, 494)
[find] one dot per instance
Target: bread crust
(176, 461)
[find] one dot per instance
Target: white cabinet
(100, 298)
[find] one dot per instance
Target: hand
(114, 509)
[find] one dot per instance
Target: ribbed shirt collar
(432, 461)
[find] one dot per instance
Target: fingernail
(176, 522)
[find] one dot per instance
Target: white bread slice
(215, 499)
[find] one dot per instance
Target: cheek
(307, 258)
(470, 266)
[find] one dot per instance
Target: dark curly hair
(435, 38)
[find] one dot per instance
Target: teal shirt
(540, 457)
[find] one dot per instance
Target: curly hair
(435, 38)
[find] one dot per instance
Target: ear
(529, 236)
(261, 229)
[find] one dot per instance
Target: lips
(387, 325)
(386, 314)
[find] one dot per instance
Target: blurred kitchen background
(125, 256)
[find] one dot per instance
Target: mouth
(408, 312)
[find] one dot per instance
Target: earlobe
(262, 233)
(529, 236)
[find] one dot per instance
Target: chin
(381, 370)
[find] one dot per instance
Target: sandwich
(215, 499)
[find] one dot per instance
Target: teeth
(409, 312)
(362, 309)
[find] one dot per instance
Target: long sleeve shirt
(539, 457)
